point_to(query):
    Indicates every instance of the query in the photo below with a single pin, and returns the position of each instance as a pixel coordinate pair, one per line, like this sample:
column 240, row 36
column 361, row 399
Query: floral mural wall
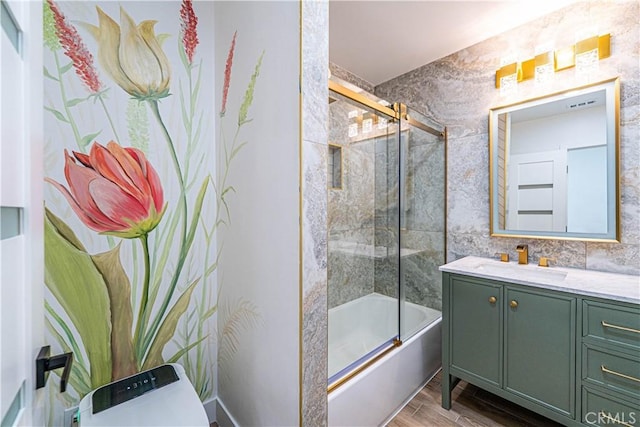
column 133, row 199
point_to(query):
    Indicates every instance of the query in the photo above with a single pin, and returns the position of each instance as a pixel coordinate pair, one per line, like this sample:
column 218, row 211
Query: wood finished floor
column 470, row 407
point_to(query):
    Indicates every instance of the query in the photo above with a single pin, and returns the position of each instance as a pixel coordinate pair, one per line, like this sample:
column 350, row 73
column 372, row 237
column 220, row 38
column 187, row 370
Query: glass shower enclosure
column 386, row 226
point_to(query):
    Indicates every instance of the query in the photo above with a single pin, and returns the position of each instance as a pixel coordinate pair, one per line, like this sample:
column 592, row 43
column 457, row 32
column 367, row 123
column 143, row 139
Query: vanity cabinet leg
column 448, row 384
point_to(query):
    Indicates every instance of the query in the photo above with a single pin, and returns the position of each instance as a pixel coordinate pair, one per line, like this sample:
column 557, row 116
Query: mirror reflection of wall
column 555, row 165
column 538, row 172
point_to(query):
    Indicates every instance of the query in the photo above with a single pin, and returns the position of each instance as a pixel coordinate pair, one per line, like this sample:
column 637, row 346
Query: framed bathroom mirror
column 553, row 165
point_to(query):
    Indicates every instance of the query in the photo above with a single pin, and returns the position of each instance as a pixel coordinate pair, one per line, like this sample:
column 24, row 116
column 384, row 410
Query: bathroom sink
column 524, row 272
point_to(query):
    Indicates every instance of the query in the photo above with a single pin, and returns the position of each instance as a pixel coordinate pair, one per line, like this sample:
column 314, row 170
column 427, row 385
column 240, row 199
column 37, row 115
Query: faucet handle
column 544, row 261
column 504, row 257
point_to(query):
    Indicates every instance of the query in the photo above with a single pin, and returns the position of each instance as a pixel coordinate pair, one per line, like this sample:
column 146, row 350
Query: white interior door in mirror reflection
column 554, row 160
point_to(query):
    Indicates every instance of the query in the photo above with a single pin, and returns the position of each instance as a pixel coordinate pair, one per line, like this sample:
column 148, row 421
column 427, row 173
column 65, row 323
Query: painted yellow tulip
column 132, row 56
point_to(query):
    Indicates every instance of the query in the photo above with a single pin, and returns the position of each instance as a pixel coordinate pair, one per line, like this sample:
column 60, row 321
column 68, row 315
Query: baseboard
column 224, row 417
column 210, row 407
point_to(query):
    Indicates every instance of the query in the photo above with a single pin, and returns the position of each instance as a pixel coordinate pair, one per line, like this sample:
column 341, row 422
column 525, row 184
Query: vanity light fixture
column 585, row 52
column 543, row 64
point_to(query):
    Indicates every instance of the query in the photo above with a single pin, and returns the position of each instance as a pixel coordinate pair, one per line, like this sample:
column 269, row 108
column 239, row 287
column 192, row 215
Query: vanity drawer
column 615, row 324
column 615, row 371
column 600, row 409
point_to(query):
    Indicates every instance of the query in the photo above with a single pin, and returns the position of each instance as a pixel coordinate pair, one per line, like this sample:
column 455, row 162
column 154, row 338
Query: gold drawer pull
column 609, row 371
column 492, row 300
column 622, row 328
column 609, row 418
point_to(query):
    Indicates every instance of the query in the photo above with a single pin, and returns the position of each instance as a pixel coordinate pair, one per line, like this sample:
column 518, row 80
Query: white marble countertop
column 618, row 287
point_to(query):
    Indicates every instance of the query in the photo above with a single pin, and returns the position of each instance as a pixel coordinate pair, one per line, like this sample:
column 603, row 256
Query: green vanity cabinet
column 562, row 342
column 513, row 341
column 475, row 323
column 540, row 348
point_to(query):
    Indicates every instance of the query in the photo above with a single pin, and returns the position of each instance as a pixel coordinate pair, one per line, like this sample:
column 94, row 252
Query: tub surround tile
column 349, row 277
column 315, row 56
column 618, row 287
column 314, row 206
column 315, row 367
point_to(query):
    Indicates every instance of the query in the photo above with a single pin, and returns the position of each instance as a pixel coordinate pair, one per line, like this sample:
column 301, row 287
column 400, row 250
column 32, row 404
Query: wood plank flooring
column 470, row 407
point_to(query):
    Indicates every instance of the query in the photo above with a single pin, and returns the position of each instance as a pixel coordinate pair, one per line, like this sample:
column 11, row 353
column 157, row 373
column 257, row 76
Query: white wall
column 258, row 321
column 581, row 128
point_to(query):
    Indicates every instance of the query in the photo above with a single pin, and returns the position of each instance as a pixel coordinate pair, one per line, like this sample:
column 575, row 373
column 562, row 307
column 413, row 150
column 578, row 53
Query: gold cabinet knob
column 493, row 300
column 513, row 303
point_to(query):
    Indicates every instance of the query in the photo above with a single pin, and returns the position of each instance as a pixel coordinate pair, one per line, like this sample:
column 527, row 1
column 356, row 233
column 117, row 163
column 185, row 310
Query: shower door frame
column 398, row 112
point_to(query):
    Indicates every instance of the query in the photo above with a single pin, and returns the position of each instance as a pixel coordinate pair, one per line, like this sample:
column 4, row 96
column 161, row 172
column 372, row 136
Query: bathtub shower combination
column 386, row 240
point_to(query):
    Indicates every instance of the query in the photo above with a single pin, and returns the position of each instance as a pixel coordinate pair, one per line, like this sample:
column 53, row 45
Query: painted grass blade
column 168, row 328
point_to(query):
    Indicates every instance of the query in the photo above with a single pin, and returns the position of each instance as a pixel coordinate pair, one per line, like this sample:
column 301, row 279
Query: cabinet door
column 476, row 330
column 540, row 348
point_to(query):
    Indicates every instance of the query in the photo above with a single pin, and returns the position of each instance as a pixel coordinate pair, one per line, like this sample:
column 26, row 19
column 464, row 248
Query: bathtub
column 377, row 393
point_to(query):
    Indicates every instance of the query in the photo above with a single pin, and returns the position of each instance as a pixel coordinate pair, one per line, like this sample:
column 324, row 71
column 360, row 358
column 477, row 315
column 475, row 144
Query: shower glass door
column 363, row 244
column 422, row 221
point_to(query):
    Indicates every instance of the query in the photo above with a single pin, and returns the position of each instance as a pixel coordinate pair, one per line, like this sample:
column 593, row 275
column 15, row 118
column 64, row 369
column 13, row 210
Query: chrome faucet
column 523, row 254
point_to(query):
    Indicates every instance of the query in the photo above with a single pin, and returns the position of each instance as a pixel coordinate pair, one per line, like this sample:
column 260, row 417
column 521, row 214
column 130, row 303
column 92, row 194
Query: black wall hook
column 44, row 364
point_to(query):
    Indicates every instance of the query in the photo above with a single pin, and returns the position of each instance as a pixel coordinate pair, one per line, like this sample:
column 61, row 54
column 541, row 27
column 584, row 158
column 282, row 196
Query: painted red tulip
column 114, row 190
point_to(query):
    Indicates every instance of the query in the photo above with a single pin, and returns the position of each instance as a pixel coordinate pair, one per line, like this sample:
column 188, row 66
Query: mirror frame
column 612, row 96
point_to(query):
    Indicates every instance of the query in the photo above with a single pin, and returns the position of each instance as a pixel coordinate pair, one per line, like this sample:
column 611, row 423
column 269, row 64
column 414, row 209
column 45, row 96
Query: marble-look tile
column 468, row 184
column 615, row 258
column 425, row 188
column 351, row 207
column 314, row 87
column 314, row 206
column 350, row 276
column 458, row 91
column 567, row 253
column 349, row 77
column 315, row 348
column 630, row 174
column 315, row 57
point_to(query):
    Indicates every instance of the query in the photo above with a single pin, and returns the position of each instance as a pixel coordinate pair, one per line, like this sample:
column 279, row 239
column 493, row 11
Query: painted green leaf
column 119, row 289
column 79, row 288
column 168, row 328
column 66, row 68
column 57, row 113
column 48, row 74
column 65, row 231
column 75, row 101
column 87, row 139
